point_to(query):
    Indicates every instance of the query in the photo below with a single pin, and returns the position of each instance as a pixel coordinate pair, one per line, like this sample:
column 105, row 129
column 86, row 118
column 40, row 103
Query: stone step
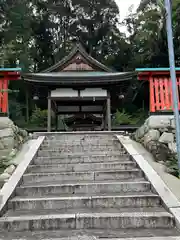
column 81, row 159
column 82, row 148
column 81, row 143
column 104, row 220
column 109, row 201
column 81, row 137
column 81, row 237
column 50, row 153
column 76, row 211
column 83, row 187
column 104, row 140
column 81, row 167
column 78, row 176
column 93, row 234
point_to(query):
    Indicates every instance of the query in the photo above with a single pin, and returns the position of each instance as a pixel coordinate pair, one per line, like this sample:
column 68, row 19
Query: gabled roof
column 78, row 49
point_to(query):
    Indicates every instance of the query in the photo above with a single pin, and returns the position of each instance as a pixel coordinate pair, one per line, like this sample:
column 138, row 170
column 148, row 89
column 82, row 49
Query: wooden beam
column 49, row 115
column 109, row 112
column 71, row 99
column 27, row 105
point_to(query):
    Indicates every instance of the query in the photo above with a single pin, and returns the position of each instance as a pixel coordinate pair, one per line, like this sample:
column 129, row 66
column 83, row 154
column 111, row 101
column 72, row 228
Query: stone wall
column 11, row 140
column 157, row 134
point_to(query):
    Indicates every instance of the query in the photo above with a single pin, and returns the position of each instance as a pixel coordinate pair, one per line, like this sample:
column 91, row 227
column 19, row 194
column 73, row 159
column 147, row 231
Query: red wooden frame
column 160, row 90
column 5, row 77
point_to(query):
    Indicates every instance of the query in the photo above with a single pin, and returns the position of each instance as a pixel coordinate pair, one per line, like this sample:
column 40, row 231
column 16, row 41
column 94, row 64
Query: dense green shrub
column 39, row 118
column 172, row 165
column 123, row 117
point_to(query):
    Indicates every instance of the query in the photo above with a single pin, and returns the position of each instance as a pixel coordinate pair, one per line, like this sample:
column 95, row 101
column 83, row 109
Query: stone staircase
column 85, row 186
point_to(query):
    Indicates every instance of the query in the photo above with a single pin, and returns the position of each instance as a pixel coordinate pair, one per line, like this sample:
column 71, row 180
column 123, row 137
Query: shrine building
column 87, row 93
column 82, row 88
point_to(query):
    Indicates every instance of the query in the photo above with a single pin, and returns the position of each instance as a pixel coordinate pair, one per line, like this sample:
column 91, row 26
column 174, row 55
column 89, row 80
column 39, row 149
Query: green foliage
column 172, row 165
column 16, row 111
column 36, row 34
column 39, row 118
column 123, row 117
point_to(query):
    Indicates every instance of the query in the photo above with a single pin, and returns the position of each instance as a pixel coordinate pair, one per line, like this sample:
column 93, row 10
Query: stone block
column 141, row 132
column 152, row 135
column 166, row 138
column 4, row 176
column 7, row 132
column 5, row 122
column 159, row 121
column 1, row 145
column 172, row 147
column 13, row 153
column 10, row 169
column 8, row 142
column 4, row 153
column 162, row 130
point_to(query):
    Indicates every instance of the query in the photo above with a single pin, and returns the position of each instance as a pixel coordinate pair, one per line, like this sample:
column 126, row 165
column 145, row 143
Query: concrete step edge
column 82, row 237
column 75, row 164
column 85, row 184
column 21, row 199
column 87, row 237
column 84, row 172
column 139, row 238
column 85, row 156
column 96, row 152
column 87, row 215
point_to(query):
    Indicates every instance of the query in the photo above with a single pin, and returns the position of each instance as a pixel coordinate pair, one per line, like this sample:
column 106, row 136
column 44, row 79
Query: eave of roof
column 155, row 69
column 147, row 73
column 10, row 69
column 78, row 49
column 63, row 78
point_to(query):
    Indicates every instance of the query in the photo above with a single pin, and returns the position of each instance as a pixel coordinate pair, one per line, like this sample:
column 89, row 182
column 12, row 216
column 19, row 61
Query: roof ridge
column 78, row 48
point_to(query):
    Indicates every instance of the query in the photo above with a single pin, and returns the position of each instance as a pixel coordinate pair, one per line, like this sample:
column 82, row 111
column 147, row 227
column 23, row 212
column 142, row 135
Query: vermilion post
column 6, row 75
column 162, row 94
column 152, row 98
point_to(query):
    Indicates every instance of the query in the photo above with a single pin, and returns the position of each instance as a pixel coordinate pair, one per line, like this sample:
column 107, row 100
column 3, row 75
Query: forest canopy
column 34, row 34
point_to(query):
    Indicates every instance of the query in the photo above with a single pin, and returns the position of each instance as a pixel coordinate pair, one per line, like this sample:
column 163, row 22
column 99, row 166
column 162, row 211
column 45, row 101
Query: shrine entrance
column 86, row 104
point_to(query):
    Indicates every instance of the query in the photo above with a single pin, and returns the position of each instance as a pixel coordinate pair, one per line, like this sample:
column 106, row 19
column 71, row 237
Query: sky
column 124, row 6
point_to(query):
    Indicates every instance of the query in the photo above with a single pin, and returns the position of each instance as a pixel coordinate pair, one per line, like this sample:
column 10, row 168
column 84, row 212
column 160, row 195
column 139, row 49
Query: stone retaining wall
column 11, row 140
column 157, row 134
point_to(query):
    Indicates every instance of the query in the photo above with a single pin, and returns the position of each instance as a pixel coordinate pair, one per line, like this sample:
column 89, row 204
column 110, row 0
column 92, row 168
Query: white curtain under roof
column 64, row 92
column 88, row 92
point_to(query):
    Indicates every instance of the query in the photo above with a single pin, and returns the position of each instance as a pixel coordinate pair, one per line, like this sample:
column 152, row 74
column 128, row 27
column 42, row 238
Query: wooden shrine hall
column 86, row 93
column 81, row 89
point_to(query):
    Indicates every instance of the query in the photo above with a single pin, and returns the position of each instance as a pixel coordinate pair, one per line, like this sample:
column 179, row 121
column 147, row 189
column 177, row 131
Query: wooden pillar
column 104, row 121
column 49, row 115
column 56, row 120
column 27, row 105
column 108, row 112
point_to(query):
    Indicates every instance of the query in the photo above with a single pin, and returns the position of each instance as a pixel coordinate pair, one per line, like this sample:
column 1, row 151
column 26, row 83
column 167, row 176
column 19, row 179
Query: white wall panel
column 64, row 92
column 93, row 92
